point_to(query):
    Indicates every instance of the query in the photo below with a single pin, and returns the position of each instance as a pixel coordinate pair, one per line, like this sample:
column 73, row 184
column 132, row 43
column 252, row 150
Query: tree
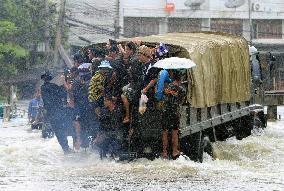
column 11, row 53
column 22, row 26
column 29, row 17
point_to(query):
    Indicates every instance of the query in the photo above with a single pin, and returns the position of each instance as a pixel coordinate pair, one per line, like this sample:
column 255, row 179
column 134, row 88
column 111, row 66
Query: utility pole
column 46, row 34
column 59, row 30
column 116, row 20
column 250, row 21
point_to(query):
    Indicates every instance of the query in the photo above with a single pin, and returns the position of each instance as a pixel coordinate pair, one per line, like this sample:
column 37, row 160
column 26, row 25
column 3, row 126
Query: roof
column 222, row 66
column 199, row 40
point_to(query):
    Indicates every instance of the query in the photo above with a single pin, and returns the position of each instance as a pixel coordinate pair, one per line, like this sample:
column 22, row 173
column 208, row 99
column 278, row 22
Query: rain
column 141, row 95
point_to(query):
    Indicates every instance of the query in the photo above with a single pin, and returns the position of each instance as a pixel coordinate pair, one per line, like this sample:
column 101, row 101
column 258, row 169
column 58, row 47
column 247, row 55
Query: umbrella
column 175, row 63
column 252, row 50
column 85, row 66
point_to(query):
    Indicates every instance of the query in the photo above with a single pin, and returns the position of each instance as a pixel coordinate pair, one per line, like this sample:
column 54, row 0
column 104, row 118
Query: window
column 267, row 29
column 138, row 26
column 233, row 26
column 184, row 25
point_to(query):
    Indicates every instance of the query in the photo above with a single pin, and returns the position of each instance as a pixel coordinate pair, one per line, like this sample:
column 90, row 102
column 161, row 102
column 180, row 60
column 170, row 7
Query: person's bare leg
column 176, row 152
column 126, row 106
column 77, row 142
column 165, row 143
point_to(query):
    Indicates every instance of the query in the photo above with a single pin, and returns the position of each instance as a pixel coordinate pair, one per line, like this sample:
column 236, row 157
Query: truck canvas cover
column 222, row 74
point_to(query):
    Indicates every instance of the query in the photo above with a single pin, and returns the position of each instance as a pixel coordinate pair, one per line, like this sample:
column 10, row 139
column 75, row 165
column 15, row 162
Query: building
column 94, row 21
column 259, row 21
column 262, row 20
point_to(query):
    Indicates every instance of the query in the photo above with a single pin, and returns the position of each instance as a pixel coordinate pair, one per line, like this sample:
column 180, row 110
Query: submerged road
column 30, row 163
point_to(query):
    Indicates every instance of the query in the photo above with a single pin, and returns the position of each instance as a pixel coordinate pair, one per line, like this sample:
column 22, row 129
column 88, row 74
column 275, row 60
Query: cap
column 105, row 64
column 46, row 76
column 77, row 57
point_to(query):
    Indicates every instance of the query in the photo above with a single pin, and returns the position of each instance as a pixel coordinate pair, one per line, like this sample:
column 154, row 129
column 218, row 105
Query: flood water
column 28, row 162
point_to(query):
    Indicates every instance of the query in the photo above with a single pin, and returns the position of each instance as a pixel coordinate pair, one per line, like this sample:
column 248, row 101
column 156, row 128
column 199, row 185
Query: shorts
column 170, row 120
column 128, row 92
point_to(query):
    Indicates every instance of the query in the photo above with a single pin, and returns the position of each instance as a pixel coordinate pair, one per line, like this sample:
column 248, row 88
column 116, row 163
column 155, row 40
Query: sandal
column 126, row 120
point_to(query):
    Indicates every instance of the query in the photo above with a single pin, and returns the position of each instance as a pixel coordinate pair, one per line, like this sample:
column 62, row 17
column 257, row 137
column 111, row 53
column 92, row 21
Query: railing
column 274, row 84
column 11, row 112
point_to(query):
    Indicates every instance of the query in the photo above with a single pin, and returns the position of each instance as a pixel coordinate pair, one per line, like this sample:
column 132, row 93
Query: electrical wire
column 101, row 13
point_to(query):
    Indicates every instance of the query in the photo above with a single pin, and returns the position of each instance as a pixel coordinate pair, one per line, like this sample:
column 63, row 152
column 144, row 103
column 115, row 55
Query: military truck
column 223, row 98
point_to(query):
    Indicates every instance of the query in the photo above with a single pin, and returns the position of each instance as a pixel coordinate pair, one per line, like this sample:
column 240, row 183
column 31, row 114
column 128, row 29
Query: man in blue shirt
column 33, row 110
column 171, row 96
column 163, row 78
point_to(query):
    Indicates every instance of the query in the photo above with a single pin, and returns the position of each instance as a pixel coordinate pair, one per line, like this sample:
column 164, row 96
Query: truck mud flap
column 150, row 125
column 129, row 156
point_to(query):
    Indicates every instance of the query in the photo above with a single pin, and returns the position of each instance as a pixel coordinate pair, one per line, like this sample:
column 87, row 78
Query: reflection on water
column 28, row 162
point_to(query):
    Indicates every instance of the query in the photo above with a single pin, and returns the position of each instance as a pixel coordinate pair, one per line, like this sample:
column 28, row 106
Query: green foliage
column 22, row 29
column 24, row 23
column 7, row 30
column 13, row 49
column 10, row 52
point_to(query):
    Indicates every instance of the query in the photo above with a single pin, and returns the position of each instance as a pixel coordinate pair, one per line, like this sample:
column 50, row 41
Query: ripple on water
column 28, row 162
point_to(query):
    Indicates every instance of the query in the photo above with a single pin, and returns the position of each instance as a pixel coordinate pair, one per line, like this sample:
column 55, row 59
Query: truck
column 224, row 97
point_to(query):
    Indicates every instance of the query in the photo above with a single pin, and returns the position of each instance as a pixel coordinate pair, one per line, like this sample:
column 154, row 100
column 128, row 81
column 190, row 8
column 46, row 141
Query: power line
column 103, row 30
column 110, row 30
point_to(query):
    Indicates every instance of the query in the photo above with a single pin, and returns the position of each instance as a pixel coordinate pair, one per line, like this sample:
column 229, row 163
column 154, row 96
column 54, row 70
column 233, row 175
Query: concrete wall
column 267, row 9
column 283, row 28
column 103, row 13
column 209, row 9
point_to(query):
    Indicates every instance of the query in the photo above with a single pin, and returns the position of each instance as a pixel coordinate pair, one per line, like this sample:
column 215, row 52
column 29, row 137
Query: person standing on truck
column 170, row 114
column 91, row 54
column 117, row 80
column 111, row 131
column 97, row 93
column 130, row 62
column 162, row 52
column 149, row 74
column 84, row 116
column 78, row 59
column 163, row 80
column 73, row 78
column 96, row 86
column 132, row 91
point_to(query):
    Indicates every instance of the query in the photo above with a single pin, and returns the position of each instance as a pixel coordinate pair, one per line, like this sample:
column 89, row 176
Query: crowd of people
column 103, row 91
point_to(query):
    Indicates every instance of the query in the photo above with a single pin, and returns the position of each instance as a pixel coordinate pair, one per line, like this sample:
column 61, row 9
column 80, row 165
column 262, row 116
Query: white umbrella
column 85, row 66
column 175, row 63
column 252, row 50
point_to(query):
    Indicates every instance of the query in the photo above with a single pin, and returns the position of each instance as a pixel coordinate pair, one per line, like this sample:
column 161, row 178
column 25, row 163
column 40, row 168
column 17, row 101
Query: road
column 30, row 163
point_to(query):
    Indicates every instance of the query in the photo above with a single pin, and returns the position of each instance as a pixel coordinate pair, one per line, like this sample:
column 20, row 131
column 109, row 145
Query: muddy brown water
column 28, row 162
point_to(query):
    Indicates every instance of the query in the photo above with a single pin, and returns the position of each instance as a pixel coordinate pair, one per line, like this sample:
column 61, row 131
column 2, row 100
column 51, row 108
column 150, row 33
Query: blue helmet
column 162, row 50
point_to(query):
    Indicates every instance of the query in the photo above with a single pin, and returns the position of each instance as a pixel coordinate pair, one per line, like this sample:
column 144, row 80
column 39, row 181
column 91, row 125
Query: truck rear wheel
column 258, row 126
column 194, row 146
column 243, row 127
column 205, row 147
